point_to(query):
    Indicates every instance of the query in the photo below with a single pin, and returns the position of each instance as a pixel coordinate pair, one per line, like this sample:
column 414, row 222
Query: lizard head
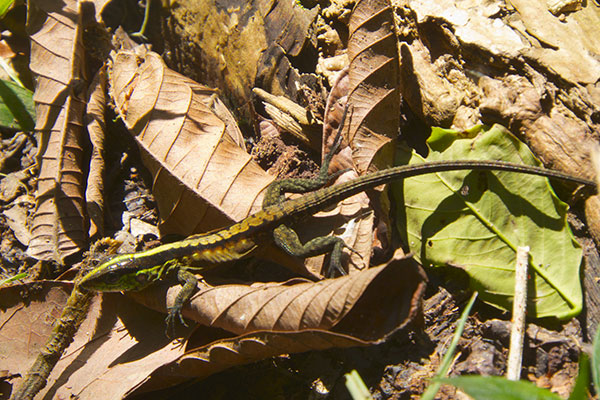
column 121, row 273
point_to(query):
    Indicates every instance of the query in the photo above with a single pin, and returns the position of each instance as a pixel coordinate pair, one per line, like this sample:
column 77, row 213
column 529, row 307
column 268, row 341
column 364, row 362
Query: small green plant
column 5, row 5
column 356, row 386
column 494, row 387
column 500, row 388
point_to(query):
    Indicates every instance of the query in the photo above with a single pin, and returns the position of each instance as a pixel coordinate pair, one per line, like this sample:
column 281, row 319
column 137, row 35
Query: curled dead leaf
column 226, row 353
column 373, row 82
column 96, row 126
column 370, row 88
column 203, row 178
column 56, row 58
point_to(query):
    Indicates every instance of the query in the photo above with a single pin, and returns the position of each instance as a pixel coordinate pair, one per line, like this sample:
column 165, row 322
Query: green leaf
column 498, row 388
column 16, row 106
column 596, row 360
column 5, row 5
column 475, row 220
column 580, row 391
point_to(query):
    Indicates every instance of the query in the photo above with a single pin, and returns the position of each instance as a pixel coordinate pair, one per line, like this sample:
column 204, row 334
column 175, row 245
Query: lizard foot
column 173, row 315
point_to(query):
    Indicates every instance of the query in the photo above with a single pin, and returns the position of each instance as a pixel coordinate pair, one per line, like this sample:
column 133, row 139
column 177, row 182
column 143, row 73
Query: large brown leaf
column 370, row 87
column 121, row 346
column 203, row 177
column 103, row 351
column 373, row 82
column 228, row 352
column 56, row 59
column 343, row 304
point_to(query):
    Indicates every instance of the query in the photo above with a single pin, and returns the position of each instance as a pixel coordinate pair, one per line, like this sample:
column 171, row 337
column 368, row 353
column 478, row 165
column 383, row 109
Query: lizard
column 197, row 253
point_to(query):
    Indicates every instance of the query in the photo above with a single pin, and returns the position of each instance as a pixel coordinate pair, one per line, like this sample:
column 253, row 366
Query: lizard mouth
column 117, row 275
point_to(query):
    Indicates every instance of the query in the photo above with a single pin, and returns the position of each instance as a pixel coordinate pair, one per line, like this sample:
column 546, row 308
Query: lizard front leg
column 276, row 190
column 189, row 282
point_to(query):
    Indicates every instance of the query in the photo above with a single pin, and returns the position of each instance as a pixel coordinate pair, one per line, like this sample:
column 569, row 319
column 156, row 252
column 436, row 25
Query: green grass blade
column 499, row 388
column 447, row 360
column 580, row 391
column 5, row 5
column 356, row 386
column 16, row 106
column 596, row 361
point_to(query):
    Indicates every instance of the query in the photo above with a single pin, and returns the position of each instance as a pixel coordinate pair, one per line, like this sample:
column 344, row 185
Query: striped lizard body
column 200, row 252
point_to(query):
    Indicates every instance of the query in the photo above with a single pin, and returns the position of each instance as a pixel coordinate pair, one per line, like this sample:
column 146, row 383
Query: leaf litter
column 364, row 162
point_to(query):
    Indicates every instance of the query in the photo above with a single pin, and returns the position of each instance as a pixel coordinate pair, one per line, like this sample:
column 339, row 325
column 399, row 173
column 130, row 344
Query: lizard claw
column 335, row 261
column 174, row 313
column 333, row 268
column 353, row 251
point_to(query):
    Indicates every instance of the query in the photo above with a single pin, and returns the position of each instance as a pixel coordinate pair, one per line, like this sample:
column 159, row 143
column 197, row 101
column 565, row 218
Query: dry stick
column 515, row 352
column 63, row 332
column 595, row 156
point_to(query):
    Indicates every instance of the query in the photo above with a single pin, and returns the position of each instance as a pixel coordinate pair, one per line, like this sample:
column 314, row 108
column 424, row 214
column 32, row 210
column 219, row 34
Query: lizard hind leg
column 287, row 239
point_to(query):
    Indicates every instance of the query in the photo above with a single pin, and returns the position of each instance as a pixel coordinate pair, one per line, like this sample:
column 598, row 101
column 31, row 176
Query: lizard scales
column 200, row 252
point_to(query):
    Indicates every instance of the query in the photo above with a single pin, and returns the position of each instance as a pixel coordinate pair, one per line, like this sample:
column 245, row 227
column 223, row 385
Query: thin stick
column 595, row 155
column 515, row 352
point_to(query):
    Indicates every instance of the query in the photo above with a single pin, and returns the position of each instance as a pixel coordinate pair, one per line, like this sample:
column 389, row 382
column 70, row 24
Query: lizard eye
column 111, row 277
column 141, row 278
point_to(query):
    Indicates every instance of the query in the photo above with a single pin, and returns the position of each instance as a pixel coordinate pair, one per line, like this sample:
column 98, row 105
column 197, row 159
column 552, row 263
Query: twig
column 63, row 333
column 515, row 351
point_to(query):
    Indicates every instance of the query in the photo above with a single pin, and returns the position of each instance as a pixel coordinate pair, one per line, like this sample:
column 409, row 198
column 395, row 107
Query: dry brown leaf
column 121, row 347
column 16, row 218
column 357, row 232
column 345, row 304
column 96, row 127
column 24, row 328
column 105, row 359
column 373, row 83
column 289, row 30
column 370, row 87
column 27, row 316
column 56, row 59
column 242, row 46
column 222, row 354
column 203, row 179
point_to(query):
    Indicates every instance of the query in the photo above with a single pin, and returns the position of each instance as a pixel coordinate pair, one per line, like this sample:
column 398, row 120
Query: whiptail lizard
column 200, row 252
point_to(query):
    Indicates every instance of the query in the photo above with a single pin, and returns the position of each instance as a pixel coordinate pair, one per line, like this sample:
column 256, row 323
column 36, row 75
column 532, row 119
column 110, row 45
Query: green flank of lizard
column 271, row 224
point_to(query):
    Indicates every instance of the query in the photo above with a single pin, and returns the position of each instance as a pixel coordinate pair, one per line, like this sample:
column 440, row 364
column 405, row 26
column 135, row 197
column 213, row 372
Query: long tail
column 317, row 200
